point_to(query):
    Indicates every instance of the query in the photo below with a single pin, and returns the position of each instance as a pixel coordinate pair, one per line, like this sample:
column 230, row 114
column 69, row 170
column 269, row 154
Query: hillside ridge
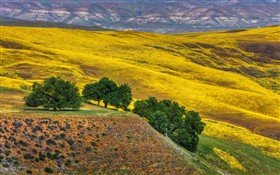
column 92, row 139
column 158, row 16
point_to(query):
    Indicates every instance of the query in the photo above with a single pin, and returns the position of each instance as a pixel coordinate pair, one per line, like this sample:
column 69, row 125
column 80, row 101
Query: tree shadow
column 50, row 110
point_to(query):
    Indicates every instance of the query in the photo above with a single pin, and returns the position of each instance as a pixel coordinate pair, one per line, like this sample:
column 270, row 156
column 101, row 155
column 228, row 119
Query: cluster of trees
column 109, row 92
column 58, row 94
column 172, row 120
column 166, row 116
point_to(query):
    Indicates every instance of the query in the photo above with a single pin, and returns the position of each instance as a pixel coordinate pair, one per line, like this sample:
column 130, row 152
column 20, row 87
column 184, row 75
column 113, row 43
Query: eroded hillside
column 111, row 145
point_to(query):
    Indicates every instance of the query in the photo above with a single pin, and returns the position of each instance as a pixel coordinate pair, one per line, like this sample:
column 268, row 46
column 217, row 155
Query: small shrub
column 67, row 126
column 51, row 127
column 1, row 158
column 93, row 144
column 22, row 143
column 68, row 162
column 5, row 165
column 37, row 128
column 17, row 124
column 62, row 129
column 41, row 138
column 34, row 151
column 50, row 156
column 42, row 156
column 88, row 149
column 16, row 162
column 129, row 137
column 61, row 157
column 50, row 142
column 48, row 170
column 62, row 145
column 47, row 149
column 37, row 145
column 7, row 152
column 28, row 156
column 56, row 155
column 28, row 171
column 62, row 136
column 7, row 145
column 13, row 139
column 70, row 142
column 8, row 160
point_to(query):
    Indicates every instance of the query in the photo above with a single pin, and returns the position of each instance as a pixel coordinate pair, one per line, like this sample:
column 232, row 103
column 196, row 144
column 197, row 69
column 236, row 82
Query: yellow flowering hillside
column 230, row 77
column 203, row 71
column 231, row 161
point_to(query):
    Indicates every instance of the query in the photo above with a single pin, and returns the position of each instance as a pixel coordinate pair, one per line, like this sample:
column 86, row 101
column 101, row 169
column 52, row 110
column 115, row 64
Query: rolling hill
column 68, row 144
column 6, row 21
column 230, row 77
column 95, row 140
column 218, row 74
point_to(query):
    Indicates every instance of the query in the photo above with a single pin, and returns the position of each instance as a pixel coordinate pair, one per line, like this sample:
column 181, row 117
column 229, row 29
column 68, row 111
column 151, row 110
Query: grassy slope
column 154, row 65
column 121, row 135
column 189, row 68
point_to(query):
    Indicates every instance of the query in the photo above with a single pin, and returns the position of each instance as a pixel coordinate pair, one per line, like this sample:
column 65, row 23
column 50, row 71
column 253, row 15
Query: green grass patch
column 92, row 112
column 252, row 159
column 5, row 89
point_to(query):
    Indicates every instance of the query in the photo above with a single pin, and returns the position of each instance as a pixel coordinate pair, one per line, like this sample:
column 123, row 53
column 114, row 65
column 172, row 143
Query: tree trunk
column 192, row 155
column 106, row 104
column 98, row 103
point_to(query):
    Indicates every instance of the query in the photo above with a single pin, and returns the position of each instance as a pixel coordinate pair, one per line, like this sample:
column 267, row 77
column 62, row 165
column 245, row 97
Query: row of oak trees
column 166, row 116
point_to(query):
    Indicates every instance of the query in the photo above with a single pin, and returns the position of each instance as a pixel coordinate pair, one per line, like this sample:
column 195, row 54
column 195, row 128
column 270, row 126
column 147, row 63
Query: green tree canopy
column 124, row 96
column 54, row 93
column 92, row 92
column 36, row 98
column 171, row 119
column 109, row 92
column 108, row 88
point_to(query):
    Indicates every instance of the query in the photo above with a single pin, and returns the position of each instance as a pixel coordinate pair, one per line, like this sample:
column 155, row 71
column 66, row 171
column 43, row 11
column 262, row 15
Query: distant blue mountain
column 163, row 16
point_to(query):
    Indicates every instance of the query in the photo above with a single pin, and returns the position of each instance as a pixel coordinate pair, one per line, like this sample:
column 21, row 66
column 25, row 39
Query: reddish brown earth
column 71, row 144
